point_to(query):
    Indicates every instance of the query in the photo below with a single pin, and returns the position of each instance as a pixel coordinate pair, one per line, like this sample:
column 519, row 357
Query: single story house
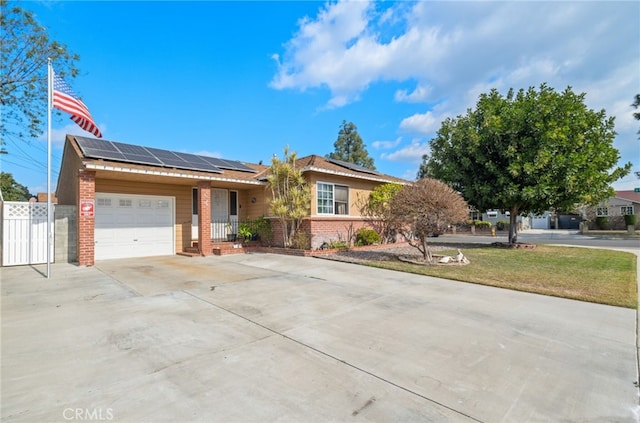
column 135, row 201
column 615, row 208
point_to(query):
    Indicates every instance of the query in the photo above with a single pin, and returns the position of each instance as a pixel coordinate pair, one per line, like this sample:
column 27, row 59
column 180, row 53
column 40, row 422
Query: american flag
column 66, row 100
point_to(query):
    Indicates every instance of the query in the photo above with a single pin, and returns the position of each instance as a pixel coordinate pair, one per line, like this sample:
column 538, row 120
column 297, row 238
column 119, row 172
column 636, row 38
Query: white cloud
column 418, row 95
column 452, row 54
column 58, row 135
column 411, row 153
column 423, row 123
column 386, row 145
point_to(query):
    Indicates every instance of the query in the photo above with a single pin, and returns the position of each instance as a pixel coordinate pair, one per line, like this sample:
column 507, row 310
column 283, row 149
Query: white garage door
column 133, row 226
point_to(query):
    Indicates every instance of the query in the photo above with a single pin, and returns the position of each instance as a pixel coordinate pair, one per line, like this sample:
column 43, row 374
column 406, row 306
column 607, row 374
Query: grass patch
column 598, row 276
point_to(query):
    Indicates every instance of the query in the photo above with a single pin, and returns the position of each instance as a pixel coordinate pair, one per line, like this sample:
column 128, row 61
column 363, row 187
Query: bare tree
column 425, row 208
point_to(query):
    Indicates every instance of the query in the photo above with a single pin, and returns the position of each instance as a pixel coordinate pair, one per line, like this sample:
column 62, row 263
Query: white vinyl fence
column 24, row 233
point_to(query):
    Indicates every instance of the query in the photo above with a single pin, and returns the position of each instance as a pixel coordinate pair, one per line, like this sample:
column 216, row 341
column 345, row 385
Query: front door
column 233, row 210
column 194, row 214
column 220, row 223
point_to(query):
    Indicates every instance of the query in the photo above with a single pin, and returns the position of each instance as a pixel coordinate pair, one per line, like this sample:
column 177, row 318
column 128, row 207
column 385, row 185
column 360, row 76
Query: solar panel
column 118, row 151
column 352, row 166
column 136, row 154
column 240, row 166
column 102, row 154
column 182, row 160
column 95, row 144
column 228, row 164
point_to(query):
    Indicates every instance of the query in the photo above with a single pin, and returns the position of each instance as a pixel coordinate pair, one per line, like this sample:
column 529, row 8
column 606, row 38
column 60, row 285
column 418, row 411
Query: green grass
column 599, row 276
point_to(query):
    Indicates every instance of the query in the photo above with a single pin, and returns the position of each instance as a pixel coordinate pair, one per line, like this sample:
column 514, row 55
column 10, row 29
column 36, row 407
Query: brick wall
column 322, row 229
column 332, row 229
column 204, row 218
column 86, row 224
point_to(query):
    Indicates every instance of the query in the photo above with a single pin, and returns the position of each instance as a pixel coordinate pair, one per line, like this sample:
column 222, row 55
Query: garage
column 133, row 226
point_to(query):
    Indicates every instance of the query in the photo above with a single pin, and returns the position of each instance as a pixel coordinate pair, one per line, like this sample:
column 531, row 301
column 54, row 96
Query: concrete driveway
column 263, row 337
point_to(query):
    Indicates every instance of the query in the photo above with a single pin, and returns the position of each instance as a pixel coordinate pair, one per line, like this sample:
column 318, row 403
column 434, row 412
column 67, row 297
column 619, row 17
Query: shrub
column 338, row 244
column 367, row 236
column 301, row 241
column 244, row 231
column 480, row 224
column 501, row 224
column 630, row 219
column 602, row 222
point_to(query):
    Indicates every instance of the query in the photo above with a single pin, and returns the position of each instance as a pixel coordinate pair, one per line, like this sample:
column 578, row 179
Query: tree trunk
column 426, row 252
column 513, row 225
column 292, row 232
column 285, row 234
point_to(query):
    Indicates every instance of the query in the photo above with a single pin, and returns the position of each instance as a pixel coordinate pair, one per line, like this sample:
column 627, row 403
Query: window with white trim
column 602, row 211
column 624, row 210
column 332, row 198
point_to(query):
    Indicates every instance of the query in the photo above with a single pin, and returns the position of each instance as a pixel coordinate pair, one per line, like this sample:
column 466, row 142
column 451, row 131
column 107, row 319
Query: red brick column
column 204, row 218
column 86, row 221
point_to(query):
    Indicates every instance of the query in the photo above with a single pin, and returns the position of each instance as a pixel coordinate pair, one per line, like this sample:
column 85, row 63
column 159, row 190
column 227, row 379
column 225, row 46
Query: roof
column 120, row 157
column 629, row 195
column 314, row 163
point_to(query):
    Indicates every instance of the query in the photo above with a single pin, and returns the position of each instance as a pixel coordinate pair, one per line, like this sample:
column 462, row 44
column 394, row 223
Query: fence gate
column 24, row 233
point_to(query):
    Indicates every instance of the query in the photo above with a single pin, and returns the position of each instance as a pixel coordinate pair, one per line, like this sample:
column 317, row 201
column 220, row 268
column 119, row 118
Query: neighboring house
column 136, row 201
column 494, row 216
column 615, row 208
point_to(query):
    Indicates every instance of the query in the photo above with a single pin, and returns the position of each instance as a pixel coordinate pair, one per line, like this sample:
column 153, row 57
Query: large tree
column 25, row 47
column 528, row 152
column 349, row 147
column 11, row 190
column 424, row 208
column 291, row 195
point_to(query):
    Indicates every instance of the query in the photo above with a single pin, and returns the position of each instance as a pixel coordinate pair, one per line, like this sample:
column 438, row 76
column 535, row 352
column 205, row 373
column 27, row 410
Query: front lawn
column 599, row 276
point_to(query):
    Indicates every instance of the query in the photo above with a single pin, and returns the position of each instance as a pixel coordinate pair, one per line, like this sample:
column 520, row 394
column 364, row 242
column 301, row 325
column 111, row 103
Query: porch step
column 188, row 254
column 226, row 248
column 217, row 248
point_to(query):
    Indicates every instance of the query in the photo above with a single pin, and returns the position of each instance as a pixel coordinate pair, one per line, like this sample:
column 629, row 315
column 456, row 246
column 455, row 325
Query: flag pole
column 49, row 103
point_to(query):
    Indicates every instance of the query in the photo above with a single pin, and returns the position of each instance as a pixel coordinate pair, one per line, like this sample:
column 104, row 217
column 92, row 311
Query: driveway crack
column 333, row 357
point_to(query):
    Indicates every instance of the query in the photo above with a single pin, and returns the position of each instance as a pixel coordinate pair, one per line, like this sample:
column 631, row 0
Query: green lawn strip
column 599, row 276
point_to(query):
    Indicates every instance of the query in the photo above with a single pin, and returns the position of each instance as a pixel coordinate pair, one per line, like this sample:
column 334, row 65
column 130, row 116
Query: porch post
column 86, row 219
column 204, row 218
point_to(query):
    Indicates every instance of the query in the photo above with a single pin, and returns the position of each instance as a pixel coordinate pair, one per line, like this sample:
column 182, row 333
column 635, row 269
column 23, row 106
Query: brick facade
column 323, row 229
column 86, row 222
column 204, row 218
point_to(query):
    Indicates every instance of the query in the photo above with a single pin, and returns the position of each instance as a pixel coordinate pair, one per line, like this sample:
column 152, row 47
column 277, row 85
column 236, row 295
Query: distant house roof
column 629, row 195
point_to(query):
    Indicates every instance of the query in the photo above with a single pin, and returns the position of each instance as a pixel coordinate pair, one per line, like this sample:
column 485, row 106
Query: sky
column 243, row 80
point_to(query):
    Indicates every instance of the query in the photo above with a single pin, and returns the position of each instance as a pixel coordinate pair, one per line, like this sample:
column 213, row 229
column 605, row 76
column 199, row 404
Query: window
column 341, row 199
column 332, row 199
column 233, row 203
column 194, row 201
column 624, row 210
column 144, row 204
column 602, row 211
column 104, row 202
column 125, row 202
column 492, row 214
